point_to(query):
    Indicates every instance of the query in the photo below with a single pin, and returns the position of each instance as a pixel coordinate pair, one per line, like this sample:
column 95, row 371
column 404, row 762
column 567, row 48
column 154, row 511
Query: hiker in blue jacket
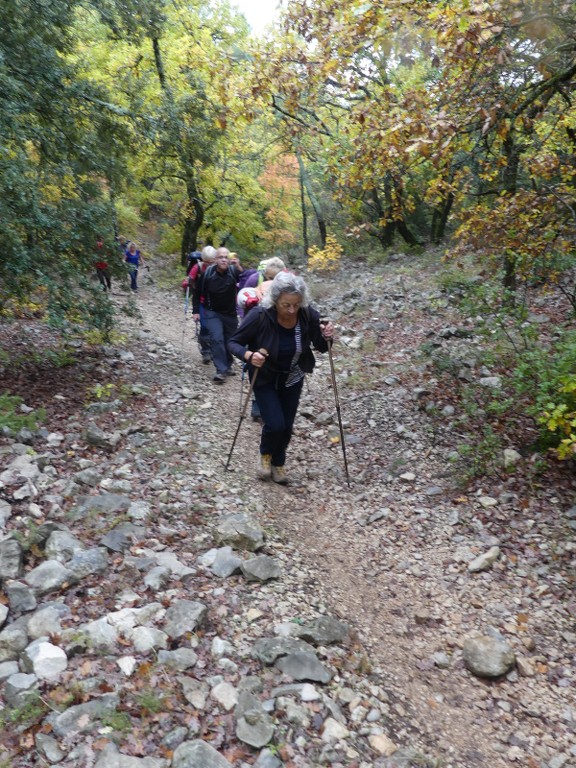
column 285, row 327
column 134, row 259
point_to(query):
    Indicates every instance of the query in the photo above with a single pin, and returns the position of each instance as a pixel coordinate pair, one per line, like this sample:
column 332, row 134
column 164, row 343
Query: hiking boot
column 206, row 359
column 279, row 475
column 264, row 466
column 231, row 372
column 219, row 378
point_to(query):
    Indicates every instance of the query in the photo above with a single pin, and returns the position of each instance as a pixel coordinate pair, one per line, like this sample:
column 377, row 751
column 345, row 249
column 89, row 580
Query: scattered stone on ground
column 158, row 611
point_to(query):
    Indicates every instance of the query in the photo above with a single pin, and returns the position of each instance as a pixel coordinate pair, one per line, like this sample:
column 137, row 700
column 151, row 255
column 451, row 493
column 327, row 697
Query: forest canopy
column 444, row 123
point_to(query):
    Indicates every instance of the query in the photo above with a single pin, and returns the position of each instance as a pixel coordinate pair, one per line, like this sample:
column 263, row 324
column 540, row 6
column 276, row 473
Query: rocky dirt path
column 390, row 554
column 397, row 556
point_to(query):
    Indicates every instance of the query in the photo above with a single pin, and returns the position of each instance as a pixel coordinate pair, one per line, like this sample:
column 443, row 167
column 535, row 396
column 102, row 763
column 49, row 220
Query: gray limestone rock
column 226, row 563
column 7, row 669
column 180, row 659
column 157, row 578
column 111, row 758
column 484, row 561
column 169, row 560
column 62, row 545
column 13, row 640
column 5, row 512
column 325, row 630
column 198, row 754
column 487, row 656
column 184, row 616
column 99, row 506
column 20, row 469
column 255, row 728
column 267, row 759
column 196, row 692
column 49, row 576
column 120, row 538
column 11, row 559
column 268, row 649
column 225, row 694
column 490, row 382
column 82, row 718
column 20, row 596
column 511, row 457
column 304, row 666
column 100, row 439
column 46, row 620
column 88, row 562
column 261, row 568
column 139, row 510
column 241, row 532
column 88, row 476
column 146, row 639
column 43, row 659
column 116, row 485
column 20, row 687
column 49, row 748
column 99, row 634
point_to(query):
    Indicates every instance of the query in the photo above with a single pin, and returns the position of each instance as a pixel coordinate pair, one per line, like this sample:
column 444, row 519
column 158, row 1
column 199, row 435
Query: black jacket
column 259, row 329
column 216, row 290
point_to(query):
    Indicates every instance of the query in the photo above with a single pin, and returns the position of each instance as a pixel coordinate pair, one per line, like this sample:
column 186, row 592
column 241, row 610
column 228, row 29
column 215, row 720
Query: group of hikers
column 131, row 256
column 264, row 318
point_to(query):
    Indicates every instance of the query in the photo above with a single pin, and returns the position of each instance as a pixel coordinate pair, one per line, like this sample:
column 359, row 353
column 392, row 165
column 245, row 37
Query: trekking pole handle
column 324, row 321
column 261, row 351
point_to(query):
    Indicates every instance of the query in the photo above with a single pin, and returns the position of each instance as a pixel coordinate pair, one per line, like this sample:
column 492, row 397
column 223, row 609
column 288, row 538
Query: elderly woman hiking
column 275, row 339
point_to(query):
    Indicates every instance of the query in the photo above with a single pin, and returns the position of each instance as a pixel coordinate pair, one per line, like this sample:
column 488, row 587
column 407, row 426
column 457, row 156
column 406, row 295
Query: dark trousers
column 278, row 405
column 221, row 328
column 104, row 277
column 203, row 335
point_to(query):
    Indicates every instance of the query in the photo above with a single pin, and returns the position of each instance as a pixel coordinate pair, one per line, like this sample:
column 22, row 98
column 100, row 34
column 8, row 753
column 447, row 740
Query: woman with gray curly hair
column 275, row 339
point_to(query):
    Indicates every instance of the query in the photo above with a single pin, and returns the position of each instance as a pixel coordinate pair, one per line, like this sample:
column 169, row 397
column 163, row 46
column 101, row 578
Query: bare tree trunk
column 512, row 152
column 440, row 219
column 305, row 180
column 194, row 210
column 304, row 215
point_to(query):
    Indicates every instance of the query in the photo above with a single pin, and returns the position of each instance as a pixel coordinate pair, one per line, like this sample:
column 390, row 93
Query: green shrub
column 560, row 419
column 13, row 418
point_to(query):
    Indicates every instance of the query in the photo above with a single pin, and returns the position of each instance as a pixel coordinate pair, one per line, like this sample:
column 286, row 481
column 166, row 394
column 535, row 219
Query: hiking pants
column 203, row 334
column 220, row 328
column 104, row 277
column 278, row 405
column 134, row 279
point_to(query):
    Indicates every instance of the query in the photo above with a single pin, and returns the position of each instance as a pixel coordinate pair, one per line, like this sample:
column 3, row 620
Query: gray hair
column 208, row 253
column 286, row 282
column 272, row 266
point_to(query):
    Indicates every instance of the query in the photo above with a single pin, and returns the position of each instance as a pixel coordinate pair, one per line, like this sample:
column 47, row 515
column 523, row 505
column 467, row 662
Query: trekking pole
column 185, row 315
column 337, row 401
column 244, row 369
column 243, row 412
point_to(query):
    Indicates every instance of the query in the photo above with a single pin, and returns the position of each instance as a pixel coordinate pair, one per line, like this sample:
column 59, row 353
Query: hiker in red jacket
column 102, row 267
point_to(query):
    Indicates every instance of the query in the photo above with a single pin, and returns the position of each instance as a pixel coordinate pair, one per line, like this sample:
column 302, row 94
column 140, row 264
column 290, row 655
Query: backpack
column 193, row 258
column 248, row 298
column 244, row 277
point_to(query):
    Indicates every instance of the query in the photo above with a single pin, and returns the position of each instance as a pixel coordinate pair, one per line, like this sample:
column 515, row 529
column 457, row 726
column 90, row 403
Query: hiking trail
column 388, row 556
